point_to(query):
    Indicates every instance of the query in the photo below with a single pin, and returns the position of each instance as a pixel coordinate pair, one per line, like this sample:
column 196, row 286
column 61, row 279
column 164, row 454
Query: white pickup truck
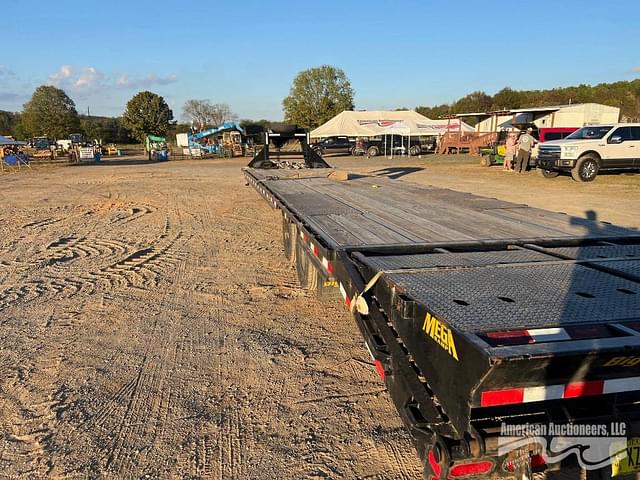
column 591, row 149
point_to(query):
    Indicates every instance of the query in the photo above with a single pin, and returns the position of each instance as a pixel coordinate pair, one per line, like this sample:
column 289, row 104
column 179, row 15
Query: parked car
column 341, row 145
column 397, row 144
column 591, row 149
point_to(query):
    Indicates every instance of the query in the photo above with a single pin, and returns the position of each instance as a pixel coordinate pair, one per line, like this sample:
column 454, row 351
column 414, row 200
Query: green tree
column 506, row 99
column 474, row 102
column 624, row 95
column 108, row 129
column 317, row 95
column 147, row 114
column 50, row 112
column 9, row 122
column 435, row 111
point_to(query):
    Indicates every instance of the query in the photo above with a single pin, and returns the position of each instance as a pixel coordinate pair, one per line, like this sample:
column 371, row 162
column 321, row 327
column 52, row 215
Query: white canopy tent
column 380, row 122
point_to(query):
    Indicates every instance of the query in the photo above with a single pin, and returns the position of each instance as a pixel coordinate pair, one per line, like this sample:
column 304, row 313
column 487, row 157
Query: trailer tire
column 372, row 152
column 307, row 273
column 415, row 150
column 289, row 232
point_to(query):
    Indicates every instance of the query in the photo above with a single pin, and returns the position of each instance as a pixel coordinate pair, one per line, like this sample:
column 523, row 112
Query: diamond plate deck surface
column 604, row 251
column 521, row 296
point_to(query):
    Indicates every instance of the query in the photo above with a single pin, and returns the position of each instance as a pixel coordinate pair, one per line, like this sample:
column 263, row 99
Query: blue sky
column 246, row 54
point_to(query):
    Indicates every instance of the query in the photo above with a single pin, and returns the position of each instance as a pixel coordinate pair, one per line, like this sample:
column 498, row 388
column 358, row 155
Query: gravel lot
column 151, row 327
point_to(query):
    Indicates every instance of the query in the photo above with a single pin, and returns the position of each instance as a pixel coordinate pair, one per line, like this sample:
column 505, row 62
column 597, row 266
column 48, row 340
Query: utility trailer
column 478, row 313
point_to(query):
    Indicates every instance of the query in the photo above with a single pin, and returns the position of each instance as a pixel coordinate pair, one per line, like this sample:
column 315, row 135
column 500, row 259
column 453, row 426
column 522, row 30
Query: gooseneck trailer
column 477, row 313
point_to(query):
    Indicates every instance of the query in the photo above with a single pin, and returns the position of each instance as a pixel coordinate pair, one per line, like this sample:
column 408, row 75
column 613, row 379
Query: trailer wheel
column 485, row 161
column 372, row 151
column 289, row 232
column 307, row 273
column 415, row 150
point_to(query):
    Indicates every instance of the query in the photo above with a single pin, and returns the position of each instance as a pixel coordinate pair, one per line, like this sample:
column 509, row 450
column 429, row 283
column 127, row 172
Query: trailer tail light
column 475, row 468
column 536, row 461
column 436, row 468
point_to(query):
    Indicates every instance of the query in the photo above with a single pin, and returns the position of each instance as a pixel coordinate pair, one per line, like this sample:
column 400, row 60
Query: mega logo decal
column 440, row 333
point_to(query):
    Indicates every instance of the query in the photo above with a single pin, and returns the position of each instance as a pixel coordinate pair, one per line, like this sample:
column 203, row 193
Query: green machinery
column 156, row 147
column 493, row 155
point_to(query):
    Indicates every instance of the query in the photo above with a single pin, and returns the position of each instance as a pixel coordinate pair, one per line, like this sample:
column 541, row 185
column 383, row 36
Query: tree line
column 316, row 95
column 624, row 95
column 52, row 113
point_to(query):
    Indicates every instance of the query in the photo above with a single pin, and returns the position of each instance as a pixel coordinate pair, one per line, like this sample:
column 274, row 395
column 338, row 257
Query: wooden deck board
column 379, row 211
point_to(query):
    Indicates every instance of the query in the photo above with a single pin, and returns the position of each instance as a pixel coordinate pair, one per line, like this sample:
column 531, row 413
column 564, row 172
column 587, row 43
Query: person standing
column 510, row 152
column 525, row 144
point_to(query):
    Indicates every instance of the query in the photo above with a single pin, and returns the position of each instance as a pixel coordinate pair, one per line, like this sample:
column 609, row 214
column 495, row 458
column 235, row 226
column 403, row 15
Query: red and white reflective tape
column 539, row 335
column 343, row 292
column 315, row 250
column 536, row 335
column 327, row 265
column 557, row 392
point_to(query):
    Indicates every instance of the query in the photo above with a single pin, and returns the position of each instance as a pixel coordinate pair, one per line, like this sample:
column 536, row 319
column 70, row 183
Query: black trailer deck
column 478, row 308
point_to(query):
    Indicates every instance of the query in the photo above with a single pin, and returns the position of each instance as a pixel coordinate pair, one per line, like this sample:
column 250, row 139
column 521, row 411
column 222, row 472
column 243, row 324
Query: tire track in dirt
column 149, row 390
column 140, row 269
column 189, row 349
column 147, row 415
column 37, row 411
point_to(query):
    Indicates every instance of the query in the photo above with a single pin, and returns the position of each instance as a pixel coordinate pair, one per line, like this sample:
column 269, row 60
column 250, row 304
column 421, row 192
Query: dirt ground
column 151, row 327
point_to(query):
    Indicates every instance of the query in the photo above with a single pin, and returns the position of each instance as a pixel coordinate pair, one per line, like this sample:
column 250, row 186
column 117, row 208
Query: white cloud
column 86, row 80
column 65, row 72
column 89, row 79
column 6, row 71
column 124, row 81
